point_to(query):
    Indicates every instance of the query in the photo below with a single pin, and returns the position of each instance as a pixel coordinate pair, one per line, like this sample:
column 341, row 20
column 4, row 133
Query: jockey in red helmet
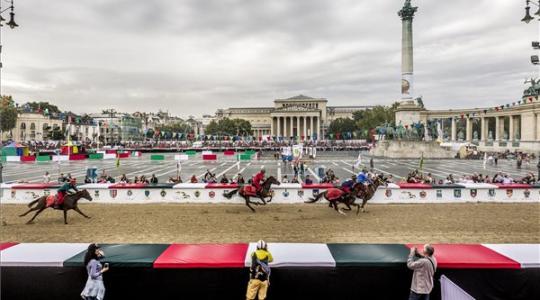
column 258, row 179
column 65, row 189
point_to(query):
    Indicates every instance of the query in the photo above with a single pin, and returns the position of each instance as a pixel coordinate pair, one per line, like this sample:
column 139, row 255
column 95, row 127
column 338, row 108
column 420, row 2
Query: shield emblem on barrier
column 197, row 194
column 113, row 193
column 491, row 192
column 130, row 193
column 474, row 192
column 509, row 193
column 423, row 194
column 13, row 193
column 300, row 193
column 212, row 194
column 163, row 193
column 96, row 193
column 439, row 193
column 147, row 193
column 315, row 192
column 285, row 193
column 526, row 193
column 388, row 193
column 457, row 193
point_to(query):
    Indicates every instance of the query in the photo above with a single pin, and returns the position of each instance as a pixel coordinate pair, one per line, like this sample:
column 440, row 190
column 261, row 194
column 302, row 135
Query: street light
column 11, row 24
column 528, row 16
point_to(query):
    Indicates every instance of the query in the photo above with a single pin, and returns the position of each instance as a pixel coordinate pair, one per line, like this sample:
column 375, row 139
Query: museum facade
column 300, row 117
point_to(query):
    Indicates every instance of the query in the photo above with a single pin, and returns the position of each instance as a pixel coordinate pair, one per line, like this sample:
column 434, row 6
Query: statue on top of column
column 407, row 12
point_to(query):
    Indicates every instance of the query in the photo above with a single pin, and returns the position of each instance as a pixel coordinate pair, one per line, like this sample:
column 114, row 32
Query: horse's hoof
column 88, row 217
column 29, row 223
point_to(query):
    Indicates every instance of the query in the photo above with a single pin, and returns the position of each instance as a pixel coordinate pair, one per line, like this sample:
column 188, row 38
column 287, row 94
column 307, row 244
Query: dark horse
column 367, row 192
column 70, row 202
column 336, row 196
column 247, row 191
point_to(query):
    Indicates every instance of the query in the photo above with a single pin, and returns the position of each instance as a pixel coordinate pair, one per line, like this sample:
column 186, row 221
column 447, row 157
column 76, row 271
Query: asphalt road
column 341, row 162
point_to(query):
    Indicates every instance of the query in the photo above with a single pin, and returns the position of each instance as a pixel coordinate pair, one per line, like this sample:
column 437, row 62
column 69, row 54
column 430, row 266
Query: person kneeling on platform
column 259, row 272
column 66, row 188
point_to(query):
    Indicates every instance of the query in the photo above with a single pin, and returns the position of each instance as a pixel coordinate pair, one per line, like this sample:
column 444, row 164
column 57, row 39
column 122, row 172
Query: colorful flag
column 117, row 162
column 421, row 165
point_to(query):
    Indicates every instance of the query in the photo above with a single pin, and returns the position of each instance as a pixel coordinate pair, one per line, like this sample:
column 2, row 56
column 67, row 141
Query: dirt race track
column 199, row 223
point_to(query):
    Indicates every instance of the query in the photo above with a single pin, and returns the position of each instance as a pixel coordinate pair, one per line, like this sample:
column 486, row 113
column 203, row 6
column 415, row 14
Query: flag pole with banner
column 421, row 165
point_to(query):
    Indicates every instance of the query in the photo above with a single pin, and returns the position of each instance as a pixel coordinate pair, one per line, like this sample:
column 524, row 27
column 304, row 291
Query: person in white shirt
column 285, row 179
column 46, row 178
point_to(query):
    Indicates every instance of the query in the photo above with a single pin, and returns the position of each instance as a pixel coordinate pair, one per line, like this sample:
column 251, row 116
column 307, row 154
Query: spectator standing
column 94, row 288
column 302, row 169
column 153, row 179
column 124, row 179
column 538, row 167
column 308, row 180
column 285, row 179
column 240, row 179
column 259, row 278
column 295, row 180
column 224, row 179
column 424, row 266
column 46, row 178
column 61, row 178
column 193, row 179
column 519, row 161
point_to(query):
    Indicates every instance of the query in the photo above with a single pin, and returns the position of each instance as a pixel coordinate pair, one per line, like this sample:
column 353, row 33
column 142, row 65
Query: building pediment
column 294, row 108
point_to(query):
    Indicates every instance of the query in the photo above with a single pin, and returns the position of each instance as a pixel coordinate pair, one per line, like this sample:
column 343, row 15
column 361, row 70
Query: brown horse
column 70, row 202
column 336, row 196
column 246, row 191
column 367, row 192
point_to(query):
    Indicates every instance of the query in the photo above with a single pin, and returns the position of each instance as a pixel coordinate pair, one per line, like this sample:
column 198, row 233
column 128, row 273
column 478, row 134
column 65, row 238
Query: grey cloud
column 192, row 57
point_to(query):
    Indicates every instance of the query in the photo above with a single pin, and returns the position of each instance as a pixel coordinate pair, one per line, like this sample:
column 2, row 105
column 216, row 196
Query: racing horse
column 367, row 192
column 70, row 202
column 336, row 196
column 247, row 191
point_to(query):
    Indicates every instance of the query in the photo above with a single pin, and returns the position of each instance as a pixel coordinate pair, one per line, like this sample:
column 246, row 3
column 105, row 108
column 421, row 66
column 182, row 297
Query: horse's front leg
column 364, row 203
column 65, row 217
column 80, row 212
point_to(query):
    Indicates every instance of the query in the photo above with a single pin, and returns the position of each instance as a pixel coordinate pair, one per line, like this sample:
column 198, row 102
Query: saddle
column 51, row 199
column 333, row 194
column 250, row 190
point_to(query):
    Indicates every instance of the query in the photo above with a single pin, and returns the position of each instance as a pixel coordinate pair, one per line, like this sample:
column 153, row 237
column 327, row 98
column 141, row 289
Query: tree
column 376, row 116
column 228, row 126
column 342, row 127
column 36, row 106
column 8, row 113
column 57, row 134
column 171, row 129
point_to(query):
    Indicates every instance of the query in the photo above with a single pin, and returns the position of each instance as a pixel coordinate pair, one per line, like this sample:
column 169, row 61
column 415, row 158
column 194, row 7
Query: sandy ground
column 198, row 223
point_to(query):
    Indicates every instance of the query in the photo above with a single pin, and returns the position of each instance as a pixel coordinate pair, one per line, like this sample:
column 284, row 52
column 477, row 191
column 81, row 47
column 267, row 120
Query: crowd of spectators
column 500, row 177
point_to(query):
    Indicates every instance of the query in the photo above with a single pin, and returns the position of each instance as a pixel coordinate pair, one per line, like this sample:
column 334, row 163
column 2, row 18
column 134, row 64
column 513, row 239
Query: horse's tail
column 33, row 202
column 230, row 194
column 313, row 200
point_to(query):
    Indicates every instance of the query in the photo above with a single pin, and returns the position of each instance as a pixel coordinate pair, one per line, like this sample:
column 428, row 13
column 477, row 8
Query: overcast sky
column 192, row 57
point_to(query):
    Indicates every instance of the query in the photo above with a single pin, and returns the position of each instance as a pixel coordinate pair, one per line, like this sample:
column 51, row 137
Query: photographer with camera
column 424, row 266
column 94, row 288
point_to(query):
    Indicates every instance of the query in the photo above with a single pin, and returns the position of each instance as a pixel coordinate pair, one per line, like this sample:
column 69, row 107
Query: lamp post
column 528, row 16
column 11, row 25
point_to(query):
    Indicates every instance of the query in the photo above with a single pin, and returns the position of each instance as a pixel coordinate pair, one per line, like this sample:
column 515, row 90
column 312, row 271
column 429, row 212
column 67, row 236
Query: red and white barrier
column 284, row 193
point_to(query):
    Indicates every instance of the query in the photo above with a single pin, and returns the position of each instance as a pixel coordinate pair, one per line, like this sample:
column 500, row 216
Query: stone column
column 278, row 126
column 511, row 128
column 407, row 15
column 304, row 119
column 483, row 129
column 318, row 121
column 497, row 129
column 468, row 128
column 453, row 135
column 312, row 126
column 290, row 126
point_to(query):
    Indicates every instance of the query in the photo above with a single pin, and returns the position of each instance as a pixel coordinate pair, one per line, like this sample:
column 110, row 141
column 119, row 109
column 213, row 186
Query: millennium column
column 408, row 111
column 407, row 79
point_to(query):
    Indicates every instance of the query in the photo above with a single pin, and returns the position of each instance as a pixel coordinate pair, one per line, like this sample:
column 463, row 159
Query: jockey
column 348, row 184
column 258, row 179
column 363, row 177
column 65, row 189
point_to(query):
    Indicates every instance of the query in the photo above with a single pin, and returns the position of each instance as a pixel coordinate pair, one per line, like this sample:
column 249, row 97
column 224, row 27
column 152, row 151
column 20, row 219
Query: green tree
column 228, row 126
column 341, row 127
column 57, row 134
column 35, row 106
column 376, row 116
column 8, row 114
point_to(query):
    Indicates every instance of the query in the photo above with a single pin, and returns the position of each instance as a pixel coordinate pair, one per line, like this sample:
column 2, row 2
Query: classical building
column 33, row 126
column 512, row 126
column 296, row 117
column 115, row 127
